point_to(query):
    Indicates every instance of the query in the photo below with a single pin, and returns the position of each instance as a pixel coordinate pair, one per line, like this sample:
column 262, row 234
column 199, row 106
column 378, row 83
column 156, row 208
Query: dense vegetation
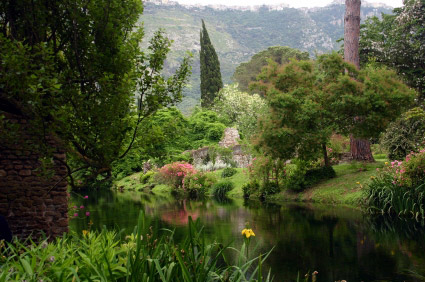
column 141, row 256
column 238, row 35
column 92, row 67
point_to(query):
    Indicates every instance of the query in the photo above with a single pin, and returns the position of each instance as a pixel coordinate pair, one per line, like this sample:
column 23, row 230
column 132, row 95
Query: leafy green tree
column 211, row 81
column 241, row 109
column 398, row 41
column 247, row 72
column 77, row 70
column 310, row 100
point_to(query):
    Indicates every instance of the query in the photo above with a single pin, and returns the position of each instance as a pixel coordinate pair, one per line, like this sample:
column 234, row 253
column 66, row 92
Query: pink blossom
column 87, row 213
column 86, row 197
column 81, row 207
column 75, row 214
column 75, row 207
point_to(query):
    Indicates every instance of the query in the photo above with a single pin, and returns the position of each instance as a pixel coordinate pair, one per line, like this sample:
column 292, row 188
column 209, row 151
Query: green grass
column 343, row 189
column 346, row 188
column 239, row 179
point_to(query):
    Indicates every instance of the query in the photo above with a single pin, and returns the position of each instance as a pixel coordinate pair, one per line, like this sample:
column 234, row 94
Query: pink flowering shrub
column 399, row 188
column 411, row 172
column 173, row 174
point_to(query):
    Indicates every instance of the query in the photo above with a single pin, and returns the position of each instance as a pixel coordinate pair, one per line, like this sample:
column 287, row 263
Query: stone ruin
column 33, row 204
column 230, row 140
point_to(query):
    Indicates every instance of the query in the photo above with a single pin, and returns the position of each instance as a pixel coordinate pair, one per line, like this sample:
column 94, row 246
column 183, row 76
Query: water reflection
column 340, row 243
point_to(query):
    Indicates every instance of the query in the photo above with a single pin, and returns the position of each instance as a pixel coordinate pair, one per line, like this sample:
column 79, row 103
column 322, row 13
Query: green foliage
column 240, row 109
column 197, row 184
column 413, row 169
column 144, row 255
column 250, row 188
column 397, row 40
column 92, row 67
column 268, row 188
column 405, row 135
column 247, row 73
column 221, row 188
column 399, row 188
column 228, row 172
column 147, row 177
column 311, row 100
column 126, row 166
column 205, row 128
column 239, row 34
column 211, row 81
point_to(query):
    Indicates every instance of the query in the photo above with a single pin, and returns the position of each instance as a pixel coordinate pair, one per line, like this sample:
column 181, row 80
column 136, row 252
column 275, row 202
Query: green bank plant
column 228, row 172
column 142, row 256
column 399, row 188
column 221, row 188
column 197, row 184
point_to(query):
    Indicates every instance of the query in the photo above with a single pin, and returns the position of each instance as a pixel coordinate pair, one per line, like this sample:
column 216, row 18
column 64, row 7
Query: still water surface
column 338, row 242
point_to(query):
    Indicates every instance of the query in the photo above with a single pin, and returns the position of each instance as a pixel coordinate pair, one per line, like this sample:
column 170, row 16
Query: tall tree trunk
column 325, row 155
column 359, row 148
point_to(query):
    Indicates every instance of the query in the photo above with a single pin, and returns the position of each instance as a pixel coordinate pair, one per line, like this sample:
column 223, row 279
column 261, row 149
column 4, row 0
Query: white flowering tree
column 240, row 108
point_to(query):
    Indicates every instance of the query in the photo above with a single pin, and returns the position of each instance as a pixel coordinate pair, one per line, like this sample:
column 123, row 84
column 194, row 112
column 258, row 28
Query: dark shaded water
column 340, row 243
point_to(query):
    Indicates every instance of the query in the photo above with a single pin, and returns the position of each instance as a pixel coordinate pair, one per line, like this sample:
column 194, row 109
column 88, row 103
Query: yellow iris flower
column 248, row 233
column 85, row 232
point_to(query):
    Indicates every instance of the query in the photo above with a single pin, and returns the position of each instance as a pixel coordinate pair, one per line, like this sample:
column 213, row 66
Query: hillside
column 238, row 33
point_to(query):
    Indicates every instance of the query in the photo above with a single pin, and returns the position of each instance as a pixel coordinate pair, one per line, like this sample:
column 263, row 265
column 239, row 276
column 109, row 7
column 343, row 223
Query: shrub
column 269, row 188
column 196, row 184
column 315, row 175
column 399, row 188
column 173, row 174
column 228, row 172
column 147, row 177
column 405, row 135
column 250, row 188
column 221, row 188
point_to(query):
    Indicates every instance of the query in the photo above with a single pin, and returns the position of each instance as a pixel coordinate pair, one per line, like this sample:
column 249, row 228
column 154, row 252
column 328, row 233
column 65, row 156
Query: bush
column 197, row 184
column 269, row 188
column 250, row 188
column 173, row 174
column 315, row 175
column 399, row 188
column 228, row 172
column 299, row 176
column 147, row 177
column 221, row 188
column 405, row 135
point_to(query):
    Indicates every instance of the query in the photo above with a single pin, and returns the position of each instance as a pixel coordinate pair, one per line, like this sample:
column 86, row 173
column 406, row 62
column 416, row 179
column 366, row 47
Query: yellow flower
column 386, row 163
column 357, row 182
column 85, row 232
column 372, row 177
column 248, row 233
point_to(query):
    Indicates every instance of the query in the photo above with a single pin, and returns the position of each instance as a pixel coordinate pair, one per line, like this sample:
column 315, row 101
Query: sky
column 291, row 3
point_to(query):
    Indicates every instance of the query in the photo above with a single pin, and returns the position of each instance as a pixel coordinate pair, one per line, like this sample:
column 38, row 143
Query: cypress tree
column 211, row 81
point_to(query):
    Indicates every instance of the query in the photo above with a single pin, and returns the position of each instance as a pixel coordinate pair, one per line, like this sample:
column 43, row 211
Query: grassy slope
column 340, row 190
column 343, row 189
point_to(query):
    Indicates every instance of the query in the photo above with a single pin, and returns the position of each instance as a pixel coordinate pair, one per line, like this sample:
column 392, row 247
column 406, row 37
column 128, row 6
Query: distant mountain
column 237, row 33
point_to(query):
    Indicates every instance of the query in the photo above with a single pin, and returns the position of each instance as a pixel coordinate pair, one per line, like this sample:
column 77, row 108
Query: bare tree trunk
column 359, row 148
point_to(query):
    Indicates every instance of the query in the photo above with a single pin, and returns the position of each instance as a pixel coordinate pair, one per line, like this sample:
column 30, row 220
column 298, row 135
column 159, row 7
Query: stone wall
column 32, row 202
column 229, row 140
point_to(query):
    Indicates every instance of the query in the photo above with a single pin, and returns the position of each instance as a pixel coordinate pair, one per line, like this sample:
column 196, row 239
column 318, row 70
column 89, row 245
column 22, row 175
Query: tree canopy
column 311, row 99
column 398, row 41
column 211, row 81
column 247, row 73
column 76, row 69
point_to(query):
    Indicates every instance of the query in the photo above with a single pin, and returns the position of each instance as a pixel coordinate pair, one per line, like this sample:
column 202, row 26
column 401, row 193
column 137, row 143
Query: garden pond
column 341, row 243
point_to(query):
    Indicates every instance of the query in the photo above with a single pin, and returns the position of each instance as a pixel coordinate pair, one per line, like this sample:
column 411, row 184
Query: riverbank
column 345, row 189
